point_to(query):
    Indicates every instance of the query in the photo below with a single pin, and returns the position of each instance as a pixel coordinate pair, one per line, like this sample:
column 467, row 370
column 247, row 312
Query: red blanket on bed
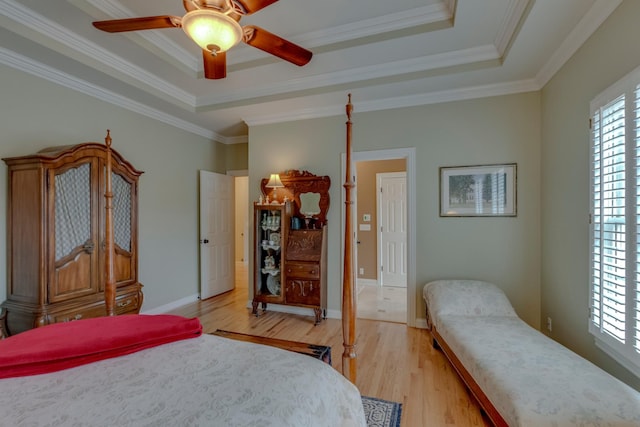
column 65, row 345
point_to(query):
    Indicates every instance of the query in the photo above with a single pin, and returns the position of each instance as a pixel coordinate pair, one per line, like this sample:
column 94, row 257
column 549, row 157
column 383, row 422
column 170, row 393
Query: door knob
column 204, row 241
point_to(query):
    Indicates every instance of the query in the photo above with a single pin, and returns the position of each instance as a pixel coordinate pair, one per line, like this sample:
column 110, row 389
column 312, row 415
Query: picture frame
column 478, row 191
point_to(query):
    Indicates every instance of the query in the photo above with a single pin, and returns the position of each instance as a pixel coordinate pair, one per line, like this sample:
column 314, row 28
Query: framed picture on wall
column 484, row 190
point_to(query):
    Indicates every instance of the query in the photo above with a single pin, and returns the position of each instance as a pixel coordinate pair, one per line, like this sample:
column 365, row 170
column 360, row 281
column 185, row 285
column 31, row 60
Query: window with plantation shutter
column 615, row 221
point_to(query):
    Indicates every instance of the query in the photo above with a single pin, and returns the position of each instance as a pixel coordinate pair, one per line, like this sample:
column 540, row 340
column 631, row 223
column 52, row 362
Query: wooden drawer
column 304, row 292
column 303, row 270
column 97, row 310
column 128, row 303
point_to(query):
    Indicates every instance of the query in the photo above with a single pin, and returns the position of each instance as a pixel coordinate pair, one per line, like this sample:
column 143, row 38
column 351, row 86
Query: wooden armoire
column 56, row 236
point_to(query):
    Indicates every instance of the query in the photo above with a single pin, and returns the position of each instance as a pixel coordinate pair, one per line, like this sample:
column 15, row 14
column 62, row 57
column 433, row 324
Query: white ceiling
column 388, row 54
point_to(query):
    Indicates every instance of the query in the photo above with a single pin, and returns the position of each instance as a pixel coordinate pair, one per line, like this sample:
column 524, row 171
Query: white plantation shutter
column 634, row 291
column 609, row 260
column 615, row 221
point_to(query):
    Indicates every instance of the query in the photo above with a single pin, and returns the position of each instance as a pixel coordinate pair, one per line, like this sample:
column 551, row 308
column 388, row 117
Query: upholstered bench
column 520, row 376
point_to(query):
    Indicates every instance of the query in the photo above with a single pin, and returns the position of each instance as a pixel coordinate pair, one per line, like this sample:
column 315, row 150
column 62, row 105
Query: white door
column 392, row 215
column 217, row 263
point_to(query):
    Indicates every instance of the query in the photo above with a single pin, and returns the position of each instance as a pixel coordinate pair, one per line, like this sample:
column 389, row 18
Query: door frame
column 245, row 174
column 409, row 155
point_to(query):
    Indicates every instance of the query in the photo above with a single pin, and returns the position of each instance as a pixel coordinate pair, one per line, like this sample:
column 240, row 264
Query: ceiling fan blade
column 215, row 66
column 252, row 6
column 275, row 45
column 135, row 24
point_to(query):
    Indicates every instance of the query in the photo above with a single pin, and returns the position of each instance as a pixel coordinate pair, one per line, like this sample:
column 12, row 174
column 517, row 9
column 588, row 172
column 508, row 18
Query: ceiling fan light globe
column 211, row 28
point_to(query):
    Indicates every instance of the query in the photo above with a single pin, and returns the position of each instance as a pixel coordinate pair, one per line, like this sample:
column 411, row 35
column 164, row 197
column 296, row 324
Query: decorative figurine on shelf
column 269, row 262
column 266, row 200
column 260, row 200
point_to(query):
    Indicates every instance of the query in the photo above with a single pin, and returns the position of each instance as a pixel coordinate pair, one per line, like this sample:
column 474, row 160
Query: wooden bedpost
column 110, row 282
column 348, row 284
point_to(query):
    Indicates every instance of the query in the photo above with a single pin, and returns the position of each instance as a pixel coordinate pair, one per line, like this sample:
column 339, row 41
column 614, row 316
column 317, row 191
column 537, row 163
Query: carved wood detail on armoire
column 56, row 236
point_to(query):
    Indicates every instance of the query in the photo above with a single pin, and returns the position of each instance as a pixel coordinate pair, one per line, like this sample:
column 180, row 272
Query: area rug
column 381, row 413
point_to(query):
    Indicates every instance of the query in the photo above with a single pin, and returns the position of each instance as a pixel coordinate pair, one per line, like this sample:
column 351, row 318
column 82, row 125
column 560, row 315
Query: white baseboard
column 421, row 323
column 302, row 311
column 172, row 305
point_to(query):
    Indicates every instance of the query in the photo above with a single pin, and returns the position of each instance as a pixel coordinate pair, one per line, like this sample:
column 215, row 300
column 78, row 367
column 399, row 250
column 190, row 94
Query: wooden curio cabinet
column 270, row 236
column 291, row 269
column 56, row 236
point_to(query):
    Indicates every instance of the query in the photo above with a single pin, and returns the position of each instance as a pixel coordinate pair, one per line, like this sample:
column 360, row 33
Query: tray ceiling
column 387, row 54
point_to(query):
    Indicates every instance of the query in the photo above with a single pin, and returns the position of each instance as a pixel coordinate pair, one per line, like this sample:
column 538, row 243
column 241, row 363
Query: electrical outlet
column 549, row 324
column 361, row 271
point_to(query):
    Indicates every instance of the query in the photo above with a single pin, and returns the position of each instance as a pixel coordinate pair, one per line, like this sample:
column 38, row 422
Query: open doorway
column 241, row 230
column 381, row 239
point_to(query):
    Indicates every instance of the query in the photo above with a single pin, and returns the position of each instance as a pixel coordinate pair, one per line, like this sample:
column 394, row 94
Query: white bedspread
column 205, row 381
column 530, row 379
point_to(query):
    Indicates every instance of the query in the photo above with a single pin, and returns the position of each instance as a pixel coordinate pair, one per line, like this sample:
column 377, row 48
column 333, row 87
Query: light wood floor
column 386, row 303
column 395, row 362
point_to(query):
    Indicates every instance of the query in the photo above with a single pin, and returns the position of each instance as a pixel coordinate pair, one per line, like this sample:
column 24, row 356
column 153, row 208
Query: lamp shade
column 274, row 181
column 211, row 30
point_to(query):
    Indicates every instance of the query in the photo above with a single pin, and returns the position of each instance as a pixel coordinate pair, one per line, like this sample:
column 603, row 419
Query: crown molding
column 585, row 28
column 392, row 103
column 589, row 23
column 116, row 10
column 598, row 13
column 367, row 27
column 441, row 12
column 370, row 27
column 243, row 139
column 38, row 69
column 377, row 71
column 516, row 10
column 37, row 23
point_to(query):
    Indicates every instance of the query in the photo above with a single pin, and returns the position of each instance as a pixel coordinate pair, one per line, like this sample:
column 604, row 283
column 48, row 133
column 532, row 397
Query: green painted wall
column 607, row 56
column 35, row 114
column 506, row 129
column 540, row 258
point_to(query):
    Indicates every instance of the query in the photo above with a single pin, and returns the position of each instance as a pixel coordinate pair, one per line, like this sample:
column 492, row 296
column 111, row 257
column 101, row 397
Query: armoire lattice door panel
column 122, row 208
column 75, row 236
column 73, row 209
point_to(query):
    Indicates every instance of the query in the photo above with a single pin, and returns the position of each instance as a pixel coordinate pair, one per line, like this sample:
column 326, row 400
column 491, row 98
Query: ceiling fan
column 213, row 25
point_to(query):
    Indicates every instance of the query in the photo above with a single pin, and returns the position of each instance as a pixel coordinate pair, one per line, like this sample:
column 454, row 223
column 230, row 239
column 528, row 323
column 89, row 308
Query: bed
column 519, row 376
column 160, row 370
